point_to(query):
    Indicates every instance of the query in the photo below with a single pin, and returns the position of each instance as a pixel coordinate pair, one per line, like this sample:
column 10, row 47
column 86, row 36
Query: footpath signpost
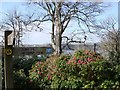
column 8, row 71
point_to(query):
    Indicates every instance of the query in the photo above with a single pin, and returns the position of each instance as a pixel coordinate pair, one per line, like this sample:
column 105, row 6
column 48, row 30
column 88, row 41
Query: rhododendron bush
column 85, row 69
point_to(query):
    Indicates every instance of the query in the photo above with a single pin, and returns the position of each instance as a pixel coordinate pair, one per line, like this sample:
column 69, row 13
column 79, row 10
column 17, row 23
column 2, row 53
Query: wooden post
column 8, row 71
column 95, row 47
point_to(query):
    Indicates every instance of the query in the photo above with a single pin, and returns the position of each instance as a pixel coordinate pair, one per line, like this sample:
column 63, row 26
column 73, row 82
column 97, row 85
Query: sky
column 44, row 36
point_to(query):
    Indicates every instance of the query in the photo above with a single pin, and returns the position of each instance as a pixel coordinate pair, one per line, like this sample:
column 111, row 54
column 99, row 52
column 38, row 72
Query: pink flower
column 86, row 51
column 84, row 63
column 74, row 63
column 74, row 58
column 79, row 61
column 39, row 62
column 39, row 68
column 40, row 73
column 68, row 62
column 44, row 75
column 89, row 59
column 49, row 77
column 60, row 74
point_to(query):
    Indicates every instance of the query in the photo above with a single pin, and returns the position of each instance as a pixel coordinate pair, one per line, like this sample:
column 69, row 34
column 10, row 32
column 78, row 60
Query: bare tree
column 60, row 14
column 111, row 38
column 73, row 39
column 15, row 22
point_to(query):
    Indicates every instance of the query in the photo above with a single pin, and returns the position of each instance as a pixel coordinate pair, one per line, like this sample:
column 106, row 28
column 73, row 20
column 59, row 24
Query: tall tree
column 111, row 38
column 62, row 13
column 15, row 22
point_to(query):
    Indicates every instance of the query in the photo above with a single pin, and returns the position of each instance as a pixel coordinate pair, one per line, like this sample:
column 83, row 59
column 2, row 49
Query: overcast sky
column 44, row 36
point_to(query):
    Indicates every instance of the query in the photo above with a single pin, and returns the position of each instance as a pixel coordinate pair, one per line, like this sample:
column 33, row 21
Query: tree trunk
column 58, row 34
column 58, row 44
column 53, row 34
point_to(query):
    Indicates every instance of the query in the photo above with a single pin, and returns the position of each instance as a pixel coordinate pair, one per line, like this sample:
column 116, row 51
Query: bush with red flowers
column 85, row 69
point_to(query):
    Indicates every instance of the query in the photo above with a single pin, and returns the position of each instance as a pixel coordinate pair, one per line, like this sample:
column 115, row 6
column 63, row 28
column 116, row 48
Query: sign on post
column 8, row 51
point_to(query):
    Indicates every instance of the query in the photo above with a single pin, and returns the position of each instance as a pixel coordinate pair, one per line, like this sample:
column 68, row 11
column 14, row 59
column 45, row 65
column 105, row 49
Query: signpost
column 32, row 51
column 8, row 52
column 8, row 55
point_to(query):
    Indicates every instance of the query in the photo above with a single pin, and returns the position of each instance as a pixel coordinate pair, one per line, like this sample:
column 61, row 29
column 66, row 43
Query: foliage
column 76, row 71
column 94, row 74
column 21, row 67
column 20, row 80
column 22, row 63
column 85, row 69
column 41, row 73
column 114, row 57
column 38, row 74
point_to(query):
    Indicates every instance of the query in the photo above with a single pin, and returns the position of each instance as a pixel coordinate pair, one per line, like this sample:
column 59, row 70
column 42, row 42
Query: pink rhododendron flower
column 39, row 68
column 60, row 74
column 86, row 51
column 89, row 59
column 84, row 63
column 44, row 75
column 39, row 62
column 40, row 73
column 75, row 63
column 79, row 61
column 68, row 62
column 49, row 77
column 74, row 58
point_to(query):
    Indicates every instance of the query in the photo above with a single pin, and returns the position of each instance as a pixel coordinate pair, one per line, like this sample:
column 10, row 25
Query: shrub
column 21, row 67
column 22, row 63
column 85, row 69
column 114, row 57
column 41, row 72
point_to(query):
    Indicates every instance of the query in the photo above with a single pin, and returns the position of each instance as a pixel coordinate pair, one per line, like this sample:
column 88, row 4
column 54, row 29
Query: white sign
column 10, row 38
